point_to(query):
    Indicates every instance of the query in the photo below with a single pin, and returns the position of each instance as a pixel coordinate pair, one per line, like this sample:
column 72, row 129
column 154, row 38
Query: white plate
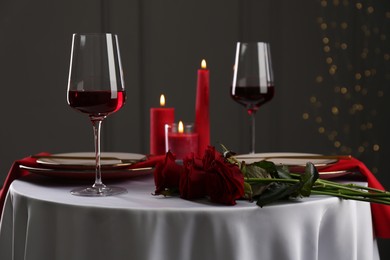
column 89, row 162
column 89, row 174
column 277, row 159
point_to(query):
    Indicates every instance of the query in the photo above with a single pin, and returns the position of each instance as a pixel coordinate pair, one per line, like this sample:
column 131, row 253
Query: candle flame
column 162, row 100
column 180, row 127
column 203, row 64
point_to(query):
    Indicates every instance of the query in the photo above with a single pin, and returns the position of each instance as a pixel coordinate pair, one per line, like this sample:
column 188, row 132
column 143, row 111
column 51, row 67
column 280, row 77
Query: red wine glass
column 253, row 81
column 96, row 88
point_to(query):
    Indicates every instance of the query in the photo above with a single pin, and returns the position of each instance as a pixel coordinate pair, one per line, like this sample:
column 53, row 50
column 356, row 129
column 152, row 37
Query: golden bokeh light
column 352, row 84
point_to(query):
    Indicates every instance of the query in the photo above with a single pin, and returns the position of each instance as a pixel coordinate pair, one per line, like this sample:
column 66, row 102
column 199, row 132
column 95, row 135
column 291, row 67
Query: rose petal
column 192, row 181
column 167, row 174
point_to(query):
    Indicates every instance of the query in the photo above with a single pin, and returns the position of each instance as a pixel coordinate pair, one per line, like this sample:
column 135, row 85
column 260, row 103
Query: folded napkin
column 16, row 172
column 380, row 213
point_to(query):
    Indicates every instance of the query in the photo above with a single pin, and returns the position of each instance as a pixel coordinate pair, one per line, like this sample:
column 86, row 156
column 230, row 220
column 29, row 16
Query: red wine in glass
column 252, row 97
column 253, row 82
column 96, row 87
column 97, row 103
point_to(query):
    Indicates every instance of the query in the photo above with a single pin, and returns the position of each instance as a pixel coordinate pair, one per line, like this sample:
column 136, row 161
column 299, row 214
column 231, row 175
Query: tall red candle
column 159, row 116
column 202, row 118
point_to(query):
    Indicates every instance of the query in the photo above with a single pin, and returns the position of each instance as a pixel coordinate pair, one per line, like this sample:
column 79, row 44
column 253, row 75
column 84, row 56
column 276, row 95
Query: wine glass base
column 98, row 192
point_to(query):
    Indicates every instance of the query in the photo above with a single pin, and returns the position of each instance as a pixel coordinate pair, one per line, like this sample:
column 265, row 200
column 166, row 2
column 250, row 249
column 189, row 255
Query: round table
column 42, row 220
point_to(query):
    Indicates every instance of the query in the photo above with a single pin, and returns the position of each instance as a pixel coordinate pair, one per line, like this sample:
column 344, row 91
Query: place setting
column 252, row 87
column 95, row 88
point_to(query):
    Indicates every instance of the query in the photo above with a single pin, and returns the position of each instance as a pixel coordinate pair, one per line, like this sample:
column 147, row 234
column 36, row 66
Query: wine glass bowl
column 253, row 82
column 96, row 88
column 96, row 103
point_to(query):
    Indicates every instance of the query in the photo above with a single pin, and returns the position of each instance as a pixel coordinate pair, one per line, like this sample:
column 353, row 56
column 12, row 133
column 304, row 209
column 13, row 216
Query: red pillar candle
column 202, row 120
column 158, row 118
column 181, row 140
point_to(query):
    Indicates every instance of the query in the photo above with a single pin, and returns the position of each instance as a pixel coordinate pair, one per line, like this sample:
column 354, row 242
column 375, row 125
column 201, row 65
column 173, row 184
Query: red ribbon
column 380, row 212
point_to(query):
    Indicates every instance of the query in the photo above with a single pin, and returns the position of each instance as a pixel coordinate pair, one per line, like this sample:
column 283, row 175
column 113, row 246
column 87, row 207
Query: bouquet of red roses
column 224, row 179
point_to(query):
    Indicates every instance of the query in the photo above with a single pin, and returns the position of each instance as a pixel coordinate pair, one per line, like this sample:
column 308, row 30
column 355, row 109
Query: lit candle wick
column 181, row 127
column 203, row 64
column 162, row 100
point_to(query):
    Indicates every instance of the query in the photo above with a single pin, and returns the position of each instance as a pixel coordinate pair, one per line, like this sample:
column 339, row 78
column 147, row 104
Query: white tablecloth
column 43, row 221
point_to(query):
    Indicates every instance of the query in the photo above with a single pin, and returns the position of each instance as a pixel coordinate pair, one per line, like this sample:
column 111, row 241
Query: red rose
column 209, row 157
column 212, row 176
column 192, row 181
column 224, row 181
column 167, row 175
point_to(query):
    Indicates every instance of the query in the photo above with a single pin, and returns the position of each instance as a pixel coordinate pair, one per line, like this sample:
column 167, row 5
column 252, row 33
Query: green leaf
column 283, row 172
column 267, row 166
column 255, row 171
column 308, row 179
column 248, row 194
column 277, row 191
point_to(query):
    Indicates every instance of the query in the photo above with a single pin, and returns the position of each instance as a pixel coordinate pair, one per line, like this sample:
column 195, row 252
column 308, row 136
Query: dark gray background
column 162, row 44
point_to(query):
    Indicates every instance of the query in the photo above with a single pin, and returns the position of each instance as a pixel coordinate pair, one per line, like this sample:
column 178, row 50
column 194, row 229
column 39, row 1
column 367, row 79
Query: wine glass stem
column 97, row 124
column 252, row 132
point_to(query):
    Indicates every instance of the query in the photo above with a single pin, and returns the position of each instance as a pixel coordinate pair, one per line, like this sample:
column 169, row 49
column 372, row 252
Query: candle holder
column 181, row 139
